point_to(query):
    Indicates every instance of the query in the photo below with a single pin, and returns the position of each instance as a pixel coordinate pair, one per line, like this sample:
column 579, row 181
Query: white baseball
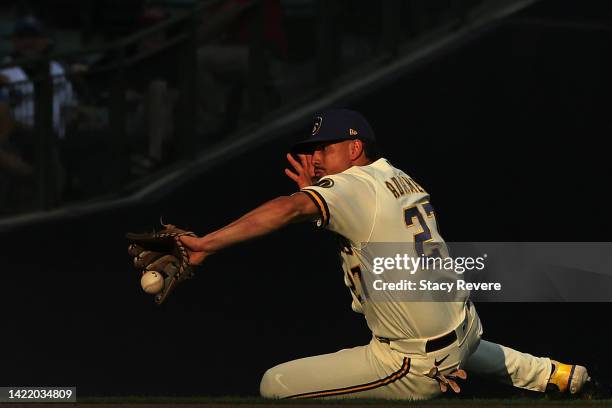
column 152, row 282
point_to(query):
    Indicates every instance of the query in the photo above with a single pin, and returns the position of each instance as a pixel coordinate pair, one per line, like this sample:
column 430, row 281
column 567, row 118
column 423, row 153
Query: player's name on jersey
column 402, row 185
column 427, row 285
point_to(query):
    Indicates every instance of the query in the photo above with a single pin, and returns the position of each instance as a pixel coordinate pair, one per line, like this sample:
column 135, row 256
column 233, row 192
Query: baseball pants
column 378, row 371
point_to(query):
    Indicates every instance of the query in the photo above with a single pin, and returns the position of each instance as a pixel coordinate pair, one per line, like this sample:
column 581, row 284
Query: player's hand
column 196, row 255
column 303, row 173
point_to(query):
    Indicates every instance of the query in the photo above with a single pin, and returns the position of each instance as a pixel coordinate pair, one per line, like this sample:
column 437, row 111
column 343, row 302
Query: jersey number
column 354, row 274
column 413, row 216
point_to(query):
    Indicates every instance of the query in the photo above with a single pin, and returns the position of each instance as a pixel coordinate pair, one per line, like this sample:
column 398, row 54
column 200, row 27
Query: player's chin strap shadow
column 448, row 380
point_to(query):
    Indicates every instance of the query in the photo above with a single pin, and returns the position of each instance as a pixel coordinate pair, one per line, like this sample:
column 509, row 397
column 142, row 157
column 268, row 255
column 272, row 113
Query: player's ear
column 356, row 149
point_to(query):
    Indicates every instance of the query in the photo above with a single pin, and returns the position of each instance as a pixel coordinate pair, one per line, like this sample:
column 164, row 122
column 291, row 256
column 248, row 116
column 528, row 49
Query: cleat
column 567, row 378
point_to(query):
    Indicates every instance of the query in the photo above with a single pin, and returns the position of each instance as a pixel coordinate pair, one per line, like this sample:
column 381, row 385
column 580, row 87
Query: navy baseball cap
column 335, row 125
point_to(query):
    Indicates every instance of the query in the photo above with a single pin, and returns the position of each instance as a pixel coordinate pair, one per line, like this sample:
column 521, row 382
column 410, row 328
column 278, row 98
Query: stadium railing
column 121, row 114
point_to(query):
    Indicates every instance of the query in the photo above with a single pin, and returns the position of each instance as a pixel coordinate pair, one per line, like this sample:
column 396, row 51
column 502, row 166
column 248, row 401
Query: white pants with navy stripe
column 377, row 371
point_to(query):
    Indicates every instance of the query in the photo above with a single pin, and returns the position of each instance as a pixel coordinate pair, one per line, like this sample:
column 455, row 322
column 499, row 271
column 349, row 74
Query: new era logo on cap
column 353, row 132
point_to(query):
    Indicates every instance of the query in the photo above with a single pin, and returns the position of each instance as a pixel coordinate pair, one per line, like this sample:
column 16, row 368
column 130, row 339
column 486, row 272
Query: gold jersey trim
column 321, row 205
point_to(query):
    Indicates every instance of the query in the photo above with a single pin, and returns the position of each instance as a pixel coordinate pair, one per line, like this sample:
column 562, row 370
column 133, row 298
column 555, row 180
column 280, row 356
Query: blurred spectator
column 17, row 113
column 274, row 34
column 15, row 172
column 31, row 40
column 11, row 162
column 156, row 91
column 223, row 66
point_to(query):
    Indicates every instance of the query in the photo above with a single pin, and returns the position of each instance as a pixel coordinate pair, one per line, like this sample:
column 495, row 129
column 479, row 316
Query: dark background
column 508, row 134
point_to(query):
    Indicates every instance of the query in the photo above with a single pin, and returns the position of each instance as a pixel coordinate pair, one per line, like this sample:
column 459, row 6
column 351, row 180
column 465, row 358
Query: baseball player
column 418, row 349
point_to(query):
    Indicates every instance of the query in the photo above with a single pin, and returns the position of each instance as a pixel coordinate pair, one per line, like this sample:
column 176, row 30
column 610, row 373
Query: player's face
column 331, row 158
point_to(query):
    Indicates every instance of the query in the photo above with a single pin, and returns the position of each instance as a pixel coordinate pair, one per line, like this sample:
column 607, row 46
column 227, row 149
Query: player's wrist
column 206, row 245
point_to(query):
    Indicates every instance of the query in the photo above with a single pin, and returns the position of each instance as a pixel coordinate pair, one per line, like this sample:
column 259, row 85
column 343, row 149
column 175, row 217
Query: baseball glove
column 164, row 253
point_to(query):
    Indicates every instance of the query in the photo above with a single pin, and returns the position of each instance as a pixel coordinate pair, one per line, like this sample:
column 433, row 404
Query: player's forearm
column 265, row 219
column 247, row 215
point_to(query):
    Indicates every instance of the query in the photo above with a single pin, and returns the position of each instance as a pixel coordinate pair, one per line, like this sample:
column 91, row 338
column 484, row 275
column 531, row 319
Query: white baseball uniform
column 378, row 203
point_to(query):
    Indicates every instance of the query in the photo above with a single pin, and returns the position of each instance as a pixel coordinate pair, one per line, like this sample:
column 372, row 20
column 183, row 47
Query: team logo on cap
column 352, row 132
column 318, row 120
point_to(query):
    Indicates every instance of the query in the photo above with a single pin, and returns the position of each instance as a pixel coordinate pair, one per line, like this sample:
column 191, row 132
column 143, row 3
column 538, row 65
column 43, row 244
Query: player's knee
column 270, row 386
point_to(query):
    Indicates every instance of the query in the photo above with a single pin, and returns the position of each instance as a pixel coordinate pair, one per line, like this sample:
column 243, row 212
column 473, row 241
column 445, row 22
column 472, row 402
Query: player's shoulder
column 357, row 174
column 373, row 171
column 364, row 175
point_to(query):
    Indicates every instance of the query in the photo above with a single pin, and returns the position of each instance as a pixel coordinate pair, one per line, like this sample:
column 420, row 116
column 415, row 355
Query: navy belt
column 439, row 342
column 433, row 344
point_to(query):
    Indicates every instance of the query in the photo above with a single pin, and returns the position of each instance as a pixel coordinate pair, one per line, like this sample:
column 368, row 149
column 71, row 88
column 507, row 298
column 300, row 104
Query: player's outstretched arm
column 263, row 220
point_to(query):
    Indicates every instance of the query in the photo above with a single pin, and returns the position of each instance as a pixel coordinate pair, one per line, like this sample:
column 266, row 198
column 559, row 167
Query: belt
column 437, row 343
column 433, row 344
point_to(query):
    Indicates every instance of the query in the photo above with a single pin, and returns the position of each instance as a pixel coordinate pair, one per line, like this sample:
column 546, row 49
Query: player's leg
column 372, row 371
column 524, row 370
column 378, row 370
column 509, row 366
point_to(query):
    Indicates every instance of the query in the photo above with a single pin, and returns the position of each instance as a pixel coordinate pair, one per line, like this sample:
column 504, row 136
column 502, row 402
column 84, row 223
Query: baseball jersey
column 378, row 203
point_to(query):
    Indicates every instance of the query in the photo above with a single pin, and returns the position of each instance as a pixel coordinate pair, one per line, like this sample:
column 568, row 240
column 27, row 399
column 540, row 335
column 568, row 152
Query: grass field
column 142, row 401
